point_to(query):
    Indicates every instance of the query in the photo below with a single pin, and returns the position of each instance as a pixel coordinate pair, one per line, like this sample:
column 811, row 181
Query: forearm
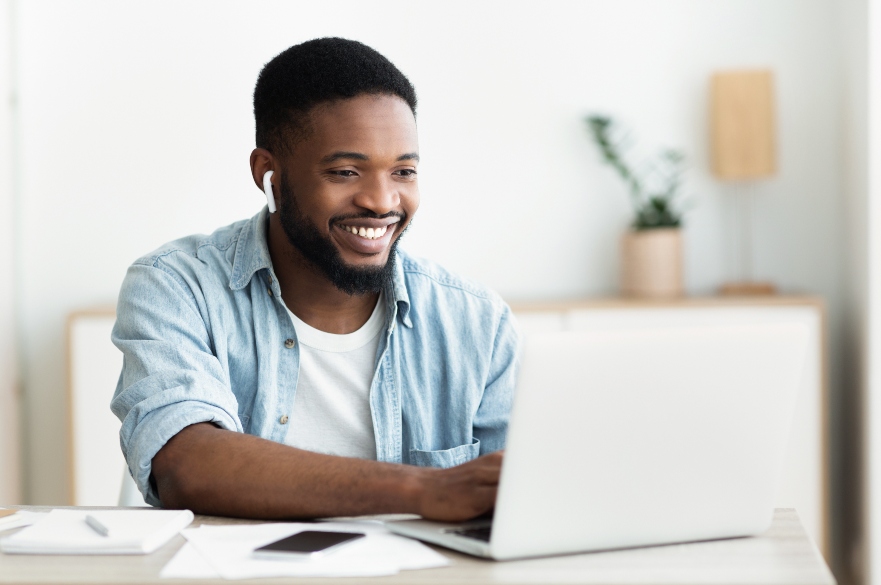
column 214, row 471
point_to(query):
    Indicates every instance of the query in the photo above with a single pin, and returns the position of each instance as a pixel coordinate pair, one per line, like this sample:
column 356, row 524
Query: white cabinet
column 98, row 469
column 805, row 477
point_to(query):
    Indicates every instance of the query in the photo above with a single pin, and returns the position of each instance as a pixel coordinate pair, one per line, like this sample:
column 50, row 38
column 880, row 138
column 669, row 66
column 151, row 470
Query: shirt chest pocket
column 446, row 457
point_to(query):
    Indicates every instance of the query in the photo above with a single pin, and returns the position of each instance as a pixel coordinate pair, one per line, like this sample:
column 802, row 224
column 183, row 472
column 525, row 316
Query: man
column 296, row 364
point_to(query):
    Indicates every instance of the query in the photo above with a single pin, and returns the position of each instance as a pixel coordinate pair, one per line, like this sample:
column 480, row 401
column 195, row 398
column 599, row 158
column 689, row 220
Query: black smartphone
column 305, row 545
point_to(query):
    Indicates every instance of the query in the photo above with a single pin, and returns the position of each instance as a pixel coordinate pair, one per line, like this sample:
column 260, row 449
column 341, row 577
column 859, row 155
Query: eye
column 344, row 173
column 406, row 173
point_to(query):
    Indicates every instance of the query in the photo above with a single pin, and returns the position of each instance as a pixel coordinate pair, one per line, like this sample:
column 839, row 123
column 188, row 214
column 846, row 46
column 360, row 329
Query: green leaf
column 651, row 211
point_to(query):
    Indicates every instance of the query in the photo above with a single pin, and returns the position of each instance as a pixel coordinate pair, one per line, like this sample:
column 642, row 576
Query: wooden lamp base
column 747, row 289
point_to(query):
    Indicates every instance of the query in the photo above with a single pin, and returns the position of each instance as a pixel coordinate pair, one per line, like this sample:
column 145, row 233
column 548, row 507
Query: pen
column 95, row 525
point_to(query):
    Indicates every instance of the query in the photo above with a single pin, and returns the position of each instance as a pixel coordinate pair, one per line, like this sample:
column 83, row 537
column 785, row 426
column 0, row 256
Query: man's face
column 349, row 190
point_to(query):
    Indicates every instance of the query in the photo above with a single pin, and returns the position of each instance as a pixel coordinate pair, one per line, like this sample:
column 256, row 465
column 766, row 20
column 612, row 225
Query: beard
column 319, row 250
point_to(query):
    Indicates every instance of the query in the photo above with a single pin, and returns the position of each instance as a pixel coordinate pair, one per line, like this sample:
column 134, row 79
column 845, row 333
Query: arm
column 215, row 471
column 183, row 439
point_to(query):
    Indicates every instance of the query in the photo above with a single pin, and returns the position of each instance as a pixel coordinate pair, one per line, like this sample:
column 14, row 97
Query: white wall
column 10, row 479
column 136, row 128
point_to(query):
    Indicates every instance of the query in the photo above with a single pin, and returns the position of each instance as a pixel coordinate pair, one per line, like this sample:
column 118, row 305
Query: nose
column 379, row 194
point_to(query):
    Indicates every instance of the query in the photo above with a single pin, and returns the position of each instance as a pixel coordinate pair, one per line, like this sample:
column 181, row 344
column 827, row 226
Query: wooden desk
column 784, row 555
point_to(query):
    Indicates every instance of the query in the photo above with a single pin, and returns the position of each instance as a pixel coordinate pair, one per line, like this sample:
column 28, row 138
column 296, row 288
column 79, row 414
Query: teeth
column 369, row 233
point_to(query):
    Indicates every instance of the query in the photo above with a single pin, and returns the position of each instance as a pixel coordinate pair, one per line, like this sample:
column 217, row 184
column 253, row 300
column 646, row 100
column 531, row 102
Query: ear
column 262, row 162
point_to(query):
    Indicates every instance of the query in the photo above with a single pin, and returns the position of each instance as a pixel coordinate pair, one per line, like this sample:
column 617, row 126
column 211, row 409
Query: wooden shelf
column 679, row 302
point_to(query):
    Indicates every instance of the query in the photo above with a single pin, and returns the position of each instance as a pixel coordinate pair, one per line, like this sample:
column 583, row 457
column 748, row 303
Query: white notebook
column 131, row 532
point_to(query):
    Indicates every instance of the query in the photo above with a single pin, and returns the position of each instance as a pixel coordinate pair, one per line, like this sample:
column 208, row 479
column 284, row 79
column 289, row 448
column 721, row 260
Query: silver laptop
column 631, row 438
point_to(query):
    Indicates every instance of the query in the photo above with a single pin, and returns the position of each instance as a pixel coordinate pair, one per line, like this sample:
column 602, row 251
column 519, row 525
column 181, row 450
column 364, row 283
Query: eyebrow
column 341, row 155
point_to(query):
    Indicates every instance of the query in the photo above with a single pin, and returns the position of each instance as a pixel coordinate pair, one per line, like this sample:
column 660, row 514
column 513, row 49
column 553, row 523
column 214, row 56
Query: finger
column 488, row 475
column 485, row 498
column 493, row 460
column 494, row 456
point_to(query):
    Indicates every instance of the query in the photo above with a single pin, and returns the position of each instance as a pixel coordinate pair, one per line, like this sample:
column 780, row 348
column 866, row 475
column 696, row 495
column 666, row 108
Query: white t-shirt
column 331, row 412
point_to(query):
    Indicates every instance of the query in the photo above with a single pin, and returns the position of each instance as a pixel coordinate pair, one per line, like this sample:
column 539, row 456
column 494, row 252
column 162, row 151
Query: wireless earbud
column 267, row 188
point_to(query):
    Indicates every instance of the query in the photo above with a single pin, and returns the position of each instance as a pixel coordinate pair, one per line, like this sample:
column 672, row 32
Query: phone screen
column 307, row 542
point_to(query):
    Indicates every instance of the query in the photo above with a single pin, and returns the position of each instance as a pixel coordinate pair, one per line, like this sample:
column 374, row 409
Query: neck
column 309, row 294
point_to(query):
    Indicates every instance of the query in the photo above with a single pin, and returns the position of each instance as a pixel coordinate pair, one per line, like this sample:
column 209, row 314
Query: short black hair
column 314, row 72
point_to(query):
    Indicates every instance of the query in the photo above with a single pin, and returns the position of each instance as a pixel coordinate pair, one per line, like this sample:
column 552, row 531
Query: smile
column 368, row 233
column 365, row 235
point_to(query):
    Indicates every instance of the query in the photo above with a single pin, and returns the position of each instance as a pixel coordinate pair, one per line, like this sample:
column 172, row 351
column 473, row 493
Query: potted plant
column 651, row 250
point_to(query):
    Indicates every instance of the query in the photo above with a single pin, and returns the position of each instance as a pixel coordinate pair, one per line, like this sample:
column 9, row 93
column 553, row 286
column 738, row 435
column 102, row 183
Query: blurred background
column 124, row 125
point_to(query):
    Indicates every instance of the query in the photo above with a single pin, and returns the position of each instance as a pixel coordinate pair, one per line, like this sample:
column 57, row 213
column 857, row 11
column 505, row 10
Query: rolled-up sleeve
column 491, row 420
column 170, row 377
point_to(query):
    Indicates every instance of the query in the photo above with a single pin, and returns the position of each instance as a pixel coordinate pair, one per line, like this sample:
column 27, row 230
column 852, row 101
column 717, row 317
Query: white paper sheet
column 19, row 519
column 65, row 532
column 225, row 551
column 188, row 563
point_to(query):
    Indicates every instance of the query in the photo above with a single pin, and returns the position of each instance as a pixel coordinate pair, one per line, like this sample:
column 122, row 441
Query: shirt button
column 289, row 343
column 284, row 419
column 269, row 290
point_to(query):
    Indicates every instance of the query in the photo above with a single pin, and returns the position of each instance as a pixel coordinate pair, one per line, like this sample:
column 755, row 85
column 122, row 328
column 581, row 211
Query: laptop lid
column 628, row 438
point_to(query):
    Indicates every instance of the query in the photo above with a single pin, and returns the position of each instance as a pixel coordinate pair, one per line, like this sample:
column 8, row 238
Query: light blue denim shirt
column 205, row 337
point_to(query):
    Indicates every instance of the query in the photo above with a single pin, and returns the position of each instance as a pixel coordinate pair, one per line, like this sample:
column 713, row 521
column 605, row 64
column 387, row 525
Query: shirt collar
column 252, row 251
column 399, row 291
column 252, row 254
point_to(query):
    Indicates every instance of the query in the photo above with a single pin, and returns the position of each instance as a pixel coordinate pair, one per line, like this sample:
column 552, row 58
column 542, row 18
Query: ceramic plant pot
column 651, row 263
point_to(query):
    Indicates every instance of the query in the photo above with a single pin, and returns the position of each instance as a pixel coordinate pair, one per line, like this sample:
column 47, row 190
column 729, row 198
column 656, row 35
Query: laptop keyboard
column 477, row 532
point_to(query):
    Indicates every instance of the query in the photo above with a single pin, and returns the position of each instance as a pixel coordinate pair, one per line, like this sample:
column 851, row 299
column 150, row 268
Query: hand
column 461, row 492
